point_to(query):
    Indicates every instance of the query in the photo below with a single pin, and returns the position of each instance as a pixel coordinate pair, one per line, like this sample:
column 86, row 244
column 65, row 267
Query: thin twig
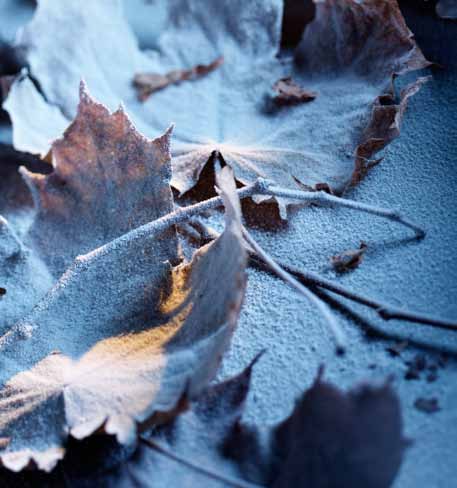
column 323, row 197
column 259, row 187
column 384, row 309
column 236, row 483
column 294, row 283
column 180, row 215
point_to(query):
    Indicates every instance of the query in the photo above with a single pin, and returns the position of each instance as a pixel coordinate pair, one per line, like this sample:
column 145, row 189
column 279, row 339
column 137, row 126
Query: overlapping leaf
column 348, row 55
column 331, row 439
column 123, row 337
column 95, row 193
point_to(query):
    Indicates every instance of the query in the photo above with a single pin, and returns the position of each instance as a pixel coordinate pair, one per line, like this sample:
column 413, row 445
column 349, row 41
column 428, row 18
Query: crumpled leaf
column 148, row 83
column 289, row 93
column 348, row 54
column 331, row 439
column 350, row 259
column 447, row 9
column 123, row 338
column 383, row 127
column 427, row 405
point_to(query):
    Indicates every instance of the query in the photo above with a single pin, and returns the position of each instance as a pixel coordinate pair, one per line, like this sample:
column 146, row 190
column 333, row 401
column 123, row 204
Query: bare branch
column 384, row 309
column 259, row 187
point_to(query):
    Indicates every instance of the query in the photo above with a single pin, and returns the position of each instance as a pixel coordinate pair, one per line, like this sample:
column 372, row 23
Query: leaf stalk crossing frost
column 385, row 310
column 259, row 187
column 323, row 308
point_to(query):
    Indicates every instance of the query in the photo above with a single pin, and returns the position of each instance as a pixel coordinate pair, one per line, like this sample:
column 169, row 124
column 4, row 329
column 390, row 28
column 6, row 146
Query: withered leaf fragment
column 289, row 93
column 148, row 83
column 349, row 260
column 397, row 348
column 427, row 405
column 383, row 127
column 126, row 336
column 348, row 54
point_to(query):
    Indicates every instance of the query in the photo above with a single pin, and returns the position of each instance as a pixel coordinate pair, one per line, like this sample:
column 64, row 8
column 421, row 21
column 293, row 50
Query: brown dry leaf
column 107, row 179
column 348, row 54
column 349, row 260
column 96, row 192
column 148, row 83
column 289, row 93
column 123, row 338
column 383, row 127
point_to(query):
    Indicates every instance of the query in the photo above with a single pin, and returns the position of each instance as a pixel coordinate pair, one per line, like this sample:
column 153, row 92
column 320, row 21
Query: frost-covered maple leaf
column 126, row 334
column 347, row 56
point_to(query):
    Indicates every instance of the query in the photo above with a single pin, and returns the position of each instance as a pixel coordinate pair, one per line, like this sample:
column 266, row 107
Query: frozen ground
column 419, row 176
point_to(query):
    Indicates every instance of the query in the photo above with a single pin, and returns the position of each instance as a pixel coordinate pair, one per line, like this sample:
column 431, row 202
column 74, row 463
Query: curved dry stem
column 384, row 309
column 323, row 308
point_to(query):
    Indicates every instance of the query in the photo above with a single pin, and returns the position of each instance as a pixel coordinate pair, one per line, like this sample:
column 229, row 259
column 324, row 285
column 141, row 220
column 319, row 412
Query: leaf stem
column 384, row 309
column 323, row 308
column 236, row 483
column 259, row 187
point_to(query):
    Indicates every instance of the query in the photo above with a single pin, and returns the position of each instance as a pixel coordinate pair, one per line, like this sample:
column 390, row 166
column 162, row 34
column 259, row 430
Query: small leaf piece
column 148, row 83
column 427, row 405
column 349, row 260
column 289, row 93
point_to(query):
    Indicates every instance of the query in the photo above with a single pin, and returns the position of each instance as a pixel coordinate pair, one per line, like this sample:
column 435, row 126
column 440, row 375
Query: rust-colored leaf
column 349, row 260
column 289, row 93
column 148, row 83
